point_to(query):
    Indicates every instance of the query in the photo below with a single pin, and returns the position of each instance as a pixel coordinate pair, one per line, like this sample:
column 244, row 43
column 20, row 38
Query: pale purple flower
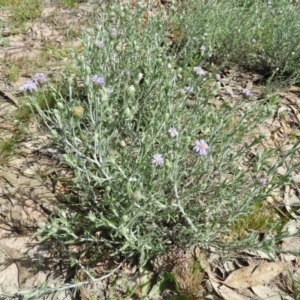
column 218, row 76
column 203, row 48
column 157, row 159
column 269, row 2
column 173, row 132
column 263, row 180
column 97, row 79
column 39, row 77
column 254, row 41
column 29, row 85
column 113, row 32
column 246, row 91
column 199, row 71
column 188, row 89
column 201, row 147
column 210, row 55
column 100, row 44
column 127, row 73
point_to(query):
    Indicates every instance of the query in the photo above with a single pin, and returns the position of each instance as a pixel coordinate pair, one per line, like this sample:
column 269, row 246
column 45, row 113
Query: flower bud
column 60, row 105
column 77, row 111
column 130, row 91
column 168, row 164
column 54, row 133
column 181, row 92
column 125, row 218
column 88, row 70
column 70, row 80
column 167, row 116
column 123, row 231
column 120, row 47
column 137, row 195
column 108, row 189
column 113, row 33
column 123, row 143
column 188, row 140
column 127, row 112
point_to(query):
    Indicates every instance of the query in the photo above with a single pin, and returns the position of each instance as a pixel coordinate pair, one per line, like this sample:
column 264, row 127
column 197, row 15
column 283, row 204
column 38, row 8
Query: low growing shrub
column 154, row 160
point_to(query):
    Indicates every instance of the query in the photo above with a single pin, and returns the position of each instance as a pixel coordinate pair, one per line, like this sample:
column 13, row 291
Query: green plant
column 12, row 71
column 261, row 218
column 7, row 149
column 70, row 3
column 147, row 168
column 25, row 10
column 154, row 160
column 254, row 34
column 4, row 41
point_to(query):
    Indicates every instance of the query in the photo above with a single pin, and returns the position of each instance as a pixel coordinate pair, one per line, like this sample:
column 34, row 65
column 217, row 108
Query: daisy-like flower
column 199, row 71
column 97, row 79
column 41, row 77
column 29, row 85
column 188, row 89
column 157, row 159
column 263, row 180
column 201, row 147
column 218, row 76
column 246, row 92
column 173, row 132
column 113, row 32
column 100, row 44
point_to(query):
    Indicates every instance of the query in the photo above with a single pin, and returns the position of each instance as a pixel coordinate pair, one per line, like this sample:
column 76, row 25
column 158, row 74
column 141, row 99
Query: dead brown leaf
column 264, row 292
column 287, row 130
column 226, row 292
column 254, row 275
column 11, row 97
column 294, row 89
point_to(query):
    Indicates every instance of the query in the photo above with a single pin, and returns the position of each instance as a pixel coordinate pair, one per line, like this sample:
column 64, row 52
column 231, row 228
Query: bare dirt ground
column 29, row 193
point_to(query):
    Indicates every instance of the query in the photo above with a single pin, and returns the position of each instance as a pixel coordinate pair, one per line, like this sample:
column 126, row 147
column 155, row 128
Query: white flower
column 173, row 132
column 199, row 71
column 157, row 159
